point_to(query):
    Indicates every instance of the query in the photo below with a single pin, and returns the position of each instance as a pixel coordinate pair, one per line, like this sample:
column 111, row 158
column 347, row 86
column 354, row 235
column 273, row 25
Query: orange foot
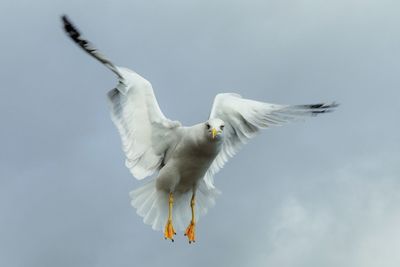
column 190, row 232
column 169, row 231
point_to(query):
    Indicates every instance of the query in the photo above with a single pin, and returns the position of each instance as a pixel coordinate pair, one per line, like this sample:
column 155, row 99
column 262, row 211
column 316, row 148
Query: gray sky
column 319, row 193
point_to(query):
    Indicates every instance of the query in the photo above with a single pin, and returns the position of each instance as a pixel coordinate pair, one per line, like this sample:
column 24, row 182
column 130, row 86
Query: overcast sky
column 324, row 192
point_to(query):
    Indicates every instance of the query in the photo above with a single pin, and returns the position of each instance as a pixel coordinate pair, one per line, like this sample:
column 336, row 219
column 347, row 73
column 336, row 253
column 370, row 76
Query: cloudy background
column 324, row 192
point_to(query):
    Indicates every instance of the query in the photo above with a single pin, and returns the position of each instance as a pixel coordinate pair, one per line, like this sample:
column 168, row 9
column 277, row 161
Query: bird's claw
column 169, row 231
column 190, row 232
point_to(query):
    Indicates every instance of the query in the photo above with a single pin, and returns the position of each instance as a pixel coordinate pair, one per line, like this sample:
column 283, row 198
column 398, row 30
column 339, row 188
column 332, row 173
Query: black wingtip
column 323, row 105
column 323, row 108
column 72, row 31
column 65, row 20
column 69, row 27
column 319, row 108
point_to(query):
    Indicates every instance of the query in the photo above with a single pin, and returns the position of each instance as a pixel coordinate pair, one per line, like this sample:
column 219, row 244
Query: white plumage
column 145, row 132
column 185, row 158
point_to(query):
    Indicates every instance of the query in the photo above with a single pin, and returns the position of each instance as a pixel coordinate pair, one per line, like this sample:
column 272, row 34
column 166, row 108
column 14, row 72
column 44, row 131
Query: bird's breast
column 193, row 160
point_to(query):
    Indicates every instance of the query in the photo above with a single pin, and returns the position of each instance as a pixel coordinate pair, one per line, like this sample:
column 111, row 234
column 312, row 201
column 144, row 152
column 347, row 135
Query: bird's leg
column 169, row 229
column 191, row 229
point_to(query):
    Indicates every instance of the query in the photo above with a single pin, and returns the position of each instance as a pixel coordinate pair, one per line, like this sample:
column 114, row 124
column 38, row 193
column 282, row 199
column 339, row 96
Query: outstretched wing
column 145, row 132
column 244, row 118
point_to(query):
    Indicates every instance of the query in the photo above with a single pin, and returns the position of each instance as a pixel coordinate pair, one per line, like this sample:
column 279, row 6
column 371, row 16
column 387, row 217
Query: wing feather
column 244, row 118
column 146, row 133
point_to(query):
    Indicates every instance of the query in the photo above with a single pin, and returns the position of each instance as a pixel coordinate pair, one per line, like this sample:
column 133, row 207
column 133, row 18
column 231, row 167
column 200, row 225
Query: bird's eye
column 208, row 126
column 222, row 127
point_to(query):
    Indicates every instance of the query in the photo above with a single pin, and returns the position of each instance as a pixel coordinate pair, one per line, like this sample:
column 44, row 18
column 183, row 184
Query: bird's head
column 214, row 129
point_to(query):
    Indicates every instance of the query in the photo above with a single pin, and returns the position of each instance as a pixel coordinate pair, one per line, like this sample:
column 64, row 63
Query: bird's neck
column 202, row 142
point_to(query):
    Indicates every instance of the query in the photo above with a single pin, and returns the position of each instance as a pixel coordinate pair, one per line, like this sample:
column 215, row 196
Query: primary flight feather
column 184, row 158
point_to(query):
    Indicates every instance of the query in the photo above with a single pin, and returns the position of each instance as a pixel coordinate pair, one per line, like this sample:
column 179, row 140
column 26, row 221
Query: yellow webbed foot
column 190, row 232
column 169, row 231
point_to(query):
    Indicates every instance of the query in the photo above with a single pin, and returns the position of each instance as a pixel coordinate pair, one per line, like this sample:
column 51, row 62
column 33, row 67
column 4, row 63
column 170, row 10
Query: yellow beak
column 214, row 133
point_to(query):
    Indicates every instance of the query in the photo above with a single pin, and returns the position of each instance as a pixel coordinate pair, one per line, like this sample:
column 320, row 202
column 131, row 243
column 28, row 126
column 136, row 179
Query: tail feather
column 152, row 214
column 146, row 205
column 152, row 205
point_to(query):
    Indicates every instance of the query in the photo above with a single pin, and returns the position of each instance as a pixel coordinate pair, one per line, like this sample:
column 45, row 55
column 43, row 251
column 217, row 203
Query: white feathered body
column 152, row 143
column 189, row 160
column 183, row 173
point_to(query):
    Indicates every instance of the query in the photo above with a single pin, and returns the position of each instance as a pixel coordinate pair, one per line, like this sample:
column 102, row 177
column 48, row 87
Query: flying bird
column 185, row 159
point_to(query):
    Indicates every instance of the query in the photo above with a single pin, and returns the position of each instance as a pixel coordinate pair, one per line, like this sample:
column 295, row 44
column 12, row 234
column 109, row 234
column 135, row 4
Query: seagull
column 182, row 160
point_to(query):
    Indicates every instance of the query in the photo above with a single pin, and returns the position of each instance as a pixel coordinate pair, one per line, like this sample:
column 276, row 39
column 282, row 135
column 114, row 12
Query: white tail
column 152, row 205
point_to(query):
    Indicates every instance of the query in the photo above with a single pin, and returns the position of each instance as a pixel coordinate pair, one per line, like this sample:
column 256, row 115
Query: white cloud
column 354, row 224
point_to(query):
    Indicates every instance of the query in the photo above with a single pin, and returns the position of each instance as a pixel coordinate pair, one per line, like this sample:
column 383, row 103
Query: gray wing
column 244, row 118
